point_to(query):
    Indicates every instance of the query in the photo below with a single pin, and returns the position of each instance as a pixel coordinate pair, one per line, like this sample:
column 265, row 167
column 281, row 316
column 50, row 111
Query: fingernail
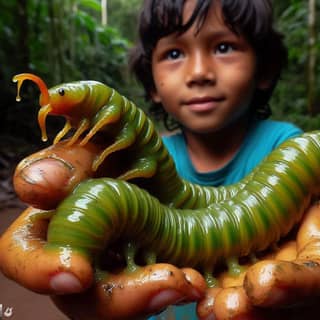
column 65, row 283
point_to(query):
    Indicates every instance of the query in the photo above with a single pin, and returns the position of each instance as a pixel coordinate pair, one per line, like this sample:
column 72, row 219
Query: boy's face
column 205, row 80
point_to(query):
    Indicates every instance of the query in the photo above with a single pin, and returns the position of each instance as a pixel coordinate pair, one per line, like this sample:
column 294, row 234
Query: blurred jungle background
column 66, row 40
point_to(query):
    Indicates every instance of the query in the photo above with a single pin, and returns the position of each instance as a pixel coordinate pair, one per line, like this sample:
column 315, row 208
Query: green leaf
column 91, row 4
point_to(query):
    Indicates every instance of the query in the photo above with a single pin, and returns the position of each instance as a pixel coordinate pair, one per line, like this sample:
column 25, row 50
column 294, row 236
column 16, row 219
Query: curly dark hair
column 251, row 18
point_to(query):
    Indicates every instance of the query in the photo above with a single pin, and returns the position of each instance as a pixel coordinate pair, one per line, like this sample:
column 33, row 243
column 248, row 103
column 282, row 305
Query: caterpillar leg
column 45, row 178
column 234, row 267
column 125, row 138
column 67, row 127
column 107, row 115
column 142, row 168
column 83, row 126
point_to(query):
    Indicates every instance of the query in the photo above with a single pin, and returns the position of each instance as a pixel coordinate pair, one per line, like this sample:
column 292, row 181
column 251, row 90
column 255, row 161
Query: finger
column 310, row 228
column 196, row 280
column 44, row 178
column 228, row 304
column 232, row 301
column 25, row 259
column 130, row 295
column 205, row 307
column 282, row 283
column 233, row 304
column 287, row 252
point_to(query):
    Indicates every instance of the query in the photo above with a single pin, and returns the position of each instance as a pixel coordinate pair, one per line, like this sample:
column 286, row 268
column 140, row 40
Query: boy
column 212, row 66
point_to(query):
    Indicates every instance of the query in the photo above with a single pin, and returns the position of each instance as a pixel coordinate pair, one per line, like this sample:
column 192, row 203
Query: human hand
column 43, row 179
column 283, row 285
column 250, row 295
column 154, row 287
column 120, row 295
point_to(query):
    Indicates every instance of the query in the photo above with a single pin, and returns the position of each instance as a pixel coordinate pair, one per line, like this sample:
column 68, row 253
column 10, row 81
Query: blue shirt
column 262, row 137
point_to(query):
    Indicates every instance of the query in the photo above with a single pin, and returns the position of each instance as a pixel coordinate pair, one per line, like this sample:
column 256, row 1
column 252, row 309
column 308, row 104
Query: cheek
column 241, row 84
column 168, row 103
column 159, row 85
column 164, row 88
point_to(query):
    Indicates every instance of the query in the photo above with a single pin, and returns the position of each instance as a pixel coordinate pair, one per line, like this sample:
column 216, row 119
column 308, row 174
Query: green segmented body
column 268, row 205
column 91, row 107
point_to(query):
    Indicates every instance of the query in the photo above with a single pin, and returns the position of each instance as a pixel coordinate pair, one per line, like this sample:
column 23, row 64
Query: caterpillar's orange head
column 66, row 97
column 44, row 98
column 59, row 100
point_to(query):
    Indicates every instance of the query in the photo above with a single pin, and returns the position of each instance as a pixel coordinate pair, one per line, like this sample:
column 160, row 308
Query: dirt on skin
column 16, row 302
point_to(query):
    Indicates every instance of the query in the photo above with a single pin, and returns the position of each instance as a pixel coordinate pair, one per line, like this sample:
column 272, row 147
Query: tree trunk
column 312, row 55
column 104, row 12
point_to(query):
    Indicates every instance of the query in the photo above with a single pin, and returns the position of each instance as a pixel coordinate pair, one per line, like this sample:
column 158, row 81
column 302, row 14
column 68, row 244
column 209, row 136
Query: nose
column 200, row 70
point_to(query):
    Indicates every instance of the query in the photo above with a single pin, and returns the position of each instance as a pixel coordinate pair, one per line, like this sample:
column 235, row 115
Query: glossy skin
column 54, row 171
column 271, row 202
column 145, row 290
column 206, row 81
column 286, row 280
column 99, row 211
column 27, row 237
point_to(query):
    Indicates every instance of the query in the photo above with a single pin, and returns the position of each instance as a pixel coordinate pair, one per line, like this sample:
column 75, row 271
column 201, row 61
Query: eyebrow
column 220, row 33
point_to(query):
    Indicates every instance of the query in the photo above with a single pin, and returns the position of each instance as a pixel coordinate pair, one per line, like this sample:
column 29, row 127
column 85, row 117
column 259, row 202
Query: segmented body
column 269, row 204
column 91, row 107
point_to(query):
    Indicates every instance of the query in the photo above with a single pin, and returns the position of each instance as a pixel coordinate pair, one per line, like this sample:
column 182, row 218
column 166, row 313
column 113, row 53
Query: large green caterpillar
column 241, row 218
column 99, row 211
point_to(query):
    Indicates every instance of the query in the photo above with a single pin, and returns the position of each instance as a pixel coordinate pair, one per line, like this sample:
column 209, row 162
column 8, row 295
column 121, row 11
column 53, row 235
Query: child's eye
column 224, row 48
column 173, row 54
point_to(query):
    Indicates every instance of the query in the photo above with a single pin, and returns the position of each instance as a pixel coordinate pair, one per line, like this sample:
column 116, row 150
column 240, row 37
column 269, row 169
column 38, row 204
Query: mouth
column 203, row 104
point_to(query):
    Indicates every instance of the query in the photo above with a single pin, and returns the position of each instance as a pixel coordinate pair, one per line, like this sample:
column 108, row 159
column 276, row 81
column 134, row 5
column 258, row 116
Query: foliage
column 123, row 15
column 75, row 42
column 290, row 99
column 59, row 40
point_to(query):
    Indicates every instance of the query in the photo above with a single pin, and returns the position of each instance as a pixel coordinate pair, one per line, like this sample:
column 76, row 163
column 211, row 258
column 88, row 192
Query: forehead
column 190, row 6
column 205, row 23
column 213, row 15
column 211, row 22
